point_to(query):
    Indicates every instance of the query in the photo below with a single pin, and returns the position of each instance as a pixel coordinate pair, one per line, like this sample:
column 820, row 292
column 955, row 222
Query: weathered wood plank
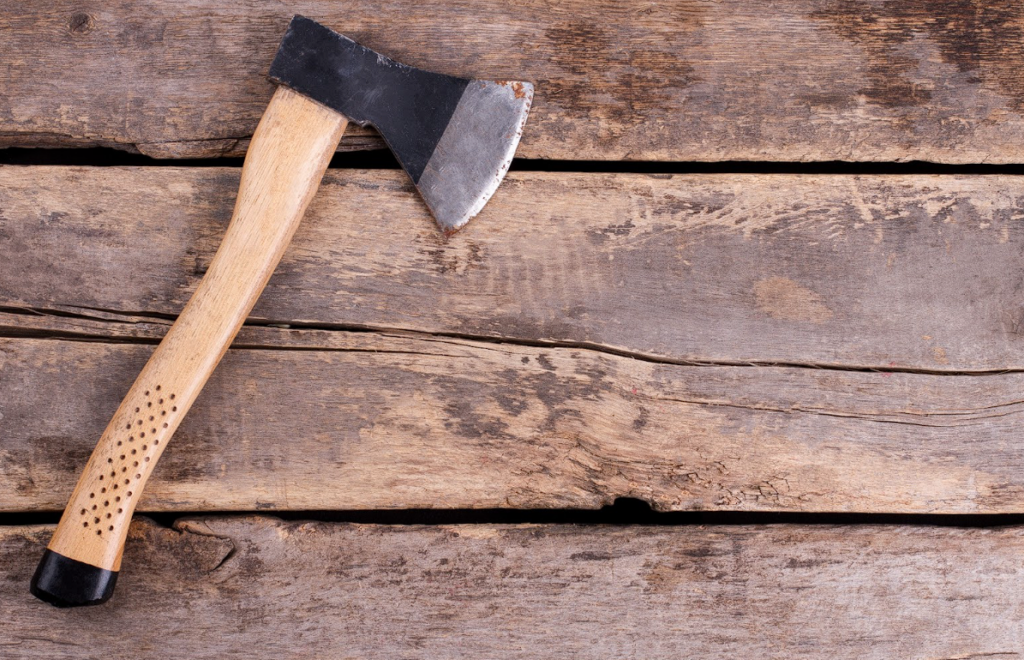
column 680, row 80
column 336, row 590
column 893, row 272
column 308, row 419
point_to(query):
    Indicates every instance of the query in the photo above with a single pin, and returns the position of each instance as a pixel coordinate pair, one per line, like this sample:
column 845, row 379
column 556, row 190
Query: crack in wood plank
column 921, row 274
column 404, row 420
column 15, row 327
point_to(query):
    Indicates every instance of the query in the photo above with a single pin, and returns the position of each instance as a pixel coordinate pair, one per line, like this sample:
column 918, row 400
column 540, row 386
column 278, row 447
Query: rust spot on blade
column 517, row 87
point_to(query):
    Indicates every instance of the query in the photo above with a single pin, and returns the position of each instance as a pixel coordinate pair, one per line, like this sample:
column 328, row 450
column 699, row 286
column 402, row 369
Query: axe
column 454, row 136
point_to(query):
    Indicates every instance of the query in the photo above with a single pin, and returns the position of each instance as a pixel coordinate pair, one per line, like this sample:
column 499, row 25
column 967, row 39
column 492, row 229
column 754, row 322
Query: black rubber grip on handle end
column 66, row 582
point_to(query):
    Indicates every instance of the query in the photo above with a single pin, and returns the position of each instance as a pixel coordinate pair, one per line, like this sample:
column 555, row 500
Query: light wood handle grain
column 289, row 152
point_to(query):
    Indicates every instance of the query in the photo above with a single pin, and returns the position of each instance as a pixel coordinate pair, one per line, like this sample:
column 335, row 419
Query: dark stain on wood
column 464, row 417
column 648, row 78
column 510, row 403
column 80, row 23
column 980, row 37
column 641, row 419
column 65, row 454
column 470, row 409
column 544, row 362
column 602, row 234
column 467, row 411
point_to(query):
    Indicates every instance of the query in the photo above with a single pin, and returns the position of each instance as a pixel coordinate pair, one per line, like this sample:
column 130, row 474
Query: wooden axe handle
column 289, row 153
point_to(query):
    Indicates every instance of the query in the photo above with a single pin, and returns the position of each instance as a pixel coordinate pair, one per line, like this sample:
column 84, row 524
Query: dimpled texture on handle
column 287, row 157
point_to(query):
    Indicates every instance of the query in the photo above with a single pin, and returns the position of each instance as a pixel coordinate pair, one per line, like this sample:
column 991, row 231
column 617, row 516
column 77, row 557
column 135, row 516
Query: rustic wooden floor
column 759, row 268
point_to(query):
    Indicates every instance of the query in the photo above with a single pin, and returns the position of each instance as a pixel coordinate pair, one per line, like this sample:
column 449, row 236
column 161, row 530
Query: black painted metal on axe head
column 454, row 136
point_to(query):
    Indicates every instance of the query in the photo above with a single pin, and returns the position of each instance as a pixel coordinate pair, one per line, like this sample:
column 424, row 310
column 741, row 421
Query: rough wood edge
column 537, row 591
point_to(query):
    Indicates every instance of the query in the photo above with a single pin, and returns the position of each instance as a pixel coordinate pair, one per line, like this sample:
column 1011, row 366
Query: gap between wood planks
column 624, row 511
column 384, row 159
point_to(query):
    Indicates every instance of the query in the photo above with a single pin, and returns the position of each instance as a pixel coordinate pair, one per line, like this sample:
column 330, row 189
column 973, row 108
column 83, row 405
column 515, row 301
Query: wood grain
column 318, row 420
column 876, row 272
column 290, row 151
column 294, row 589
column 686, row 80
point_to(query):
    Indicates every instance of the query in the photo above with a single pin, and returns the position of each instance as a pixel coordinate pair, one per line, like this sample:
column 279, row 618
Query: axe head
column 454, row 136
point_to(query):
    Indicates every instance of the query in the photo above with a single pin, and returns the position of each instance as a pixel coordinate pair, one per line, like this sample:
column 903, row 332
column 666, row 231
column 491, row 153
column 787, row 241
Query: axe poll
column 455, row 137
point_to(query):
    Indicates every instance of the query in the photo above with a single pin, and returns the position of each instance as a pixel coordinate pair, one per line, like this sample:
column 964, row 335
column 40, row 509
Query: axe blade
column 455, row 137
